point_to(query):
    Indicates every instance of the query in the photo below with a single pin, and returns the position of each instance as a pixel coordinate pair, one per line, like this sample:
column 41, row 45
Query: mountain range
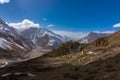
column 97, row 60
column 37, row 53
column 18, row 42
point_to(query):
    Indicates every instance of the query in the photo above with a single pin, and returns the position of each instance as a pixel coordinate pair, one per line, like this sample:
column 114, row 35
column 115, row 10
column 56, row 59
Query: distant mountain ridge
column 93, row 36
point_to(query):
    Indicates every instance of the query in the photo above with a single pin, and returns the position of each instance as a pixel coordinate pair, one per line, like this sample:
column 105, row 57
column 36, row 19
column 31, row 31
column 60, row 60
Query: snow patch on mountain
column 51, row 42
column 4, row 44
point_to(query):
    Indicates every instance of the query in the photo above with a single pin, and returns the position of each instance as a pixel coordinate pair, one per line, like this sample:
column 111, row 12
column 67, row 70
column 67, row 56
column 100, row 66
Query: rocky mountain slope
column 43, row 38
column 93, row 36
column 12, row 43
column 98, row 60
column 69, row 47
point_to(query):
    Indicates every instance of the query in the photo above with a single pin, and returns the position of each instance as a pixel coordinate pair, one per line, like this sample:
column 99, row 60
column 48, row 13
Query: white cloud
column 25, row 24
column 44, row 19
column 50, row 25
column 71, row 35
column 116, row 25
column 4, row 1
column 112, row 31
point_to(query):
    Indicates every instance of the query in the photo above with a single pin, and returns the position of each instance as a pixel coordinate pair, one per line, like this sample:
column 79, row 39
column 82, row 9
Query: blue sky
column 65, row 15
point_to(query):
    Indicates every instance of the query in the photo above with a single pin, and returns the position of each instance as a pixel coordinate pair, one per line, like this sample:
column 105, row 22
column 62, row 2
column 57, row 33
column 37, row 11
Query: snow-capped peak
column 25, row 24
